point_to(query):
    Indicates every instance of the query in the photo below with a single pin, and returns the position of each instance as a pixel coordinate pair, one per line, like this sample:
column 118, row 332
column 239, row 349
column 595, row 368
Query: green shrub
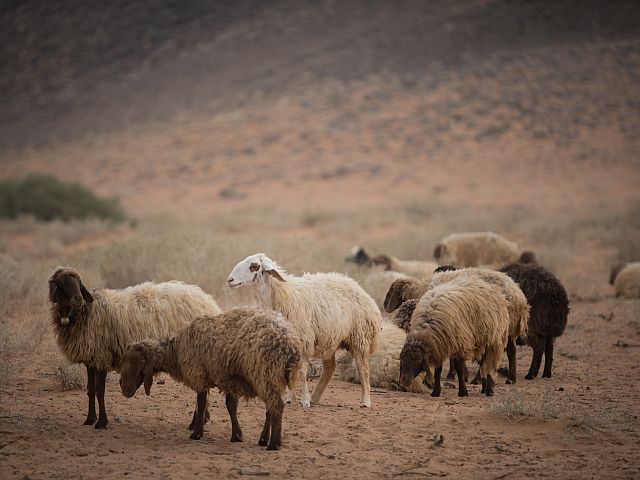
column 47, row 198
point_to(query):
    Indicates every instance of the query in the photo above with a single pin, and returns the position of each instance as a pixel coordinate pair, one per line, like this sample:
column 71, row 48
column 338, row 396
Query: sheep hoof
column 273, row 447
column 528, row 376
column 510, row 382
column 489, row 394
column 101, row 424
column 464, row 393
column 90, row 420
column 236, row 438
column 546, row 375
column 365, row 403
column 196, row 436
column 435, row 394
column 305, row 404
column 263, row 442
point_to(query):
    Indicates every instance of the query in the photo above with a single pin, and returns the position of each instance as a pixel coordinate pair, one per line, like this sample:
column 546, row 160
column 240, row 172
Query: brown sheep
column 245, row 352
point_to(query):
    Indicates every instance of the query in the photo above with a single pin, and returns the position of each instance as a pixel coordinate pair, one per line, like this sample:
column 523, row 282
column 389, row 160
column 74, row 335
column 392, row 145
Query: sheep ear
column 276, row 274
column 392, row 300
column 439, row 251
column 85, row 294
column 53, row 288
column 148, row 376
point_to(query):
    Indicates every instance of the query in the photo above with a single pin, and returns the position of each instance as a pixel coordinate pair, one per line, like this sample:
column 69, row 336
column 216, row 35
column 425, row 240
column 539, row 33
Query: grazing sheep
column 549, row 310
column 245, row 352
column 414, row 268
column 402, row 319
column 328, row 311
column 94, row 328
column 407, row 289
column 464, row 319
column 384, row 365
column 625, row 278
column 477, row 249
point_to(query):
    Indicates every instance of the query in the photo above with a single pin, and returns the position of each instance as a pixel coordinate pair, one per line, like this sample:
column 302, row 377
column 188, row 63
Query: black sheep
column 549, row 310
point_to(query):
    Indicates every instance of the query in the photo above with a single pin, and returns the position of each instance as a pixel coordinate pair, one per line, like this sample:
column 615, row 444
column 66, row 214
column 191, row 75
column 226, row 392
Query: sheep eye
column 254, row 267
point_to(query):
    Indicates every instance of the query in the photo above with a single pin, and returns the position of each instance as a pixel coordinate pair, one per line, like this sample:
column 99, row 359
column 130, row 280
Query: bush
column 48, row 198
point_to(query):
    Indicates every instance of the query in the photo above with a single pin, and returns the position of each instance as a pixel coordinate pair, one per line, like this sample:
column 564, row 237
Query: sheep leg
column 101, row 379
column 548, row 357
column 452, row 369
column 275, row 442
column 362, row 362
column 511, row 356
column 483, row 377
column 462, row 387
column 535, row 361
column 305, row 399
column 207, row 416
column 232, row 407
column 198, row 427
column 328, row 367
column 436, row 381
column 489, row 385
column 91, row 393
column 266, row 430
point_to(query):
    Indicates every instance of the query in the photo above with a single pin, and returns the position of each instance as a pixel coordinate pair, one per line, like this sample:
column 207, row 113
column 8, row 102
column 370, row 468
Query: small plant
column 47, row 198
column 71, row 376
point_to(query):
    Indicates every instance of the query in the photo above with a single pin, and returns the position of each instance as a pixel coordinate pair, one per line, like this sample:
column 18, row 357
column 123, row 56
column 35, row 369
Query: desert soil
column 550, row 124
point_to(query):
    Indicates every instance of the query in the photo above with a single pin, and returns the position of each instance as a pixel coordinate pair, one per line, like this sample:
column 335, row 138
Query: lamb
column 464, row 319
column 414, row 268
column 94, row 328
column 383, row 365
column 245, row 352
column 407, row 289
column 328, row 311
column 476, row 249
column 549, row 310
column 625, row 278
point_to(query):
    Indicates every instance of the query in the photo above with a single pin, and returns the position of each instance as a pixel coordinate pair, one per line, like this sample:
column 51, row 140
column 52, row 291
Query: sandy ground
column 550, row 127
column 586, row 426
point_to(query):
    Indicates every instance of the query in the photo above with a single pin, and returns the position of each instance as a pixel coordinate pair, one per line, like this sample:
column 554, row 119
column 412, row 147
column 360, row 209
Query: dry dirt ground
column 548, row 123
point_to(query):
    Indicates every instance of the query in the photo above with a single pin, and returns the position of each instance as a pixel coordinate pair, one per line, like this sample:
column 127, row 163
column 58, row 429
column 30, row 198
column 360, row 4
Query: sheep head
column 135, row 368
column 395, row 295
column 68, row 293
column 413, row 360
column 527, row 256
column 358, row 256
column 440, row 252
column 615, row 270
column 252, row 269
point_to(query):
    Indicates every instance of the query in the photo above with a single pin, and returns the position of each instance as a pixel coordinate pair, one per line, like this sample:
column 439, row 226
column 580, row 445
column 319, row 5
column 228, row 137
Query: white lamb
column 328, row 311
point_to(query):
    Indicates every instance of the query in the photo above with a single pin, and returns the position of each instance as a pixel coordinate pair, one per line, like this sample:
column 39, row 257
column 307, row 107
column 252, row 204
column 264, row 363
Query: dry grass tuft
column 71, row 376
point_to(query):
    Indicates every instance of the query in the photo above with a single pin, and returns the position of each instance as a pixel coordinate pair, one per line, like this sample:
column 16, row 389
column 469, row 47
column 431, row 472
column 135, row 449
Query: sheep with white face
column 328, row 311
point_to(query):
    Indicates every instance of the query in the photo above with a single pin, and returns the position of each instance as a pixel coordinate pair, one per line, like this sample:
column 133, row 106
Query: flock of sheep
column 481, row 297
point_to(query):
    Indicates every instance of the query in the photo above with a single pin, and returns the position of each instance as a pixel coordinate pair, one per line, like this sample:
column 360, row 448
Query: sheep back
column 627, row 281
column 465, row 317
column 546, row 296
column 329, row 311
column 245, row 351
column 475, row 249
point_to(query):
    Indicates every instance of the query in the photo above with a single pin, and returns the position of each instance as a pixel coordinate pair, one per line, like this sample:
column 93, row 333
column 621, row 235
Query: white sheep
column 328, row 311
column 625, row 278
column 94, row 328
column 414, row 268
column 245, row 353
column 477, row 249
